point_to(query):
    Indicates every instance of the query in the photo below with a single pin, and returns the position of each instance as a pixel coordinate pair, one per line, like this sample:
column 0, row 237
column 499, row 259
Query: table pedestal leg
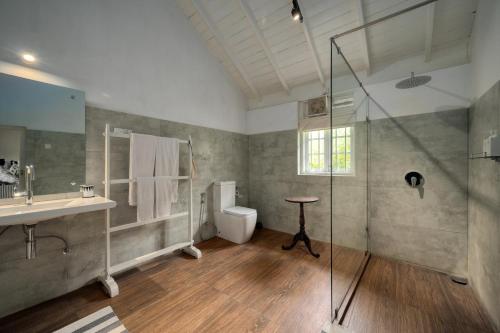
column 301, row 235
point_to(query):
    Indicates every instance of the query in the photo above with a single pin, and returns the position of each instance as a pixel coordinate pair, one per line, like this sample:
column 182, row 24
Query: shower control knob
column 414, row 179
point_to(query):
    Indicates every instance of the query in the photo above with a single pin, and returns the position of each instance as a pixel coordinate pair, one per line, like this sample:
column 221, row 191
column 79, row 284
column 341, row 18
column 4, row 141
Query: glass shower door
column 349, row 165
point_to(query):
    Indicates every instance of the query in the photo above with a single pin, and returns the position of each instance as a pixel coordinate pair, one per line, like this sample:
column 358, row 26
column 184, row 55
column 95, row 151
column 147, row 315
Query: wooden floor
column 397, row 297
column 257, row 287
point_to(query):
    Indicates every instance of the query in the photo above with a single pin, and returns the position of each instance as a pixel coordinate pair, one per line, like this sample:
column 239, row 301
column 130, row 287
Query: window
column 315, row 151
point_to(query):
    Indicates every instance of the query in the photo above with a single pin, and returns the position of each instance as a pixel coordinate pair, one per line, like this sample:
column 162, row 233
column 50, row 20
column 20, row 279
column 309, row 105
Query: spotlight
column 28, row 57
column 296, row 13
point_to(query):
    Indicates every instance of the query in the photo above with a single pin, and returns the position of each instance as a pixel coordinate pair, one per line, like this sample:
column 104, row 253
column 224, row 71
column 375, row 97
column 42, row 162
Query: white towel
column 145, row 198
column 167, row 164
column 142, row 161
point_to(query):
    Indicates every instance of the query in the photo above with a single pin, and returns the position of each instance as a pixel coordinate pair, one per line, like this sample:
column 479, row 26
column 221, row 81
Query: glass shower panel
column 349, row 182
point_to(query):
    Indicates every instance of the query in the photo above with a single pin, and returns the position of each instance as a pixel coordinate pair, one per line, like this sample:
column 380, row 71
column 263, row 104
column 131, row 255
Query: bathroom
column 402, row 206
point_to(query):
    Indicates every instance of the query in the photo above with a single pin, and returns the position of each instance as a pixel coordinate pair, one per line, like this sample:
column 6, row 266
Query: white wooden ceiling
column 265, row 51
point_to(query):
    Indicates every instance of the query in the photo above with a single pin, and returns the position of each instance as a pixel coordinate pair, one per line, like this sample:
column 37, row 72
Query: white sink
column 46, row 210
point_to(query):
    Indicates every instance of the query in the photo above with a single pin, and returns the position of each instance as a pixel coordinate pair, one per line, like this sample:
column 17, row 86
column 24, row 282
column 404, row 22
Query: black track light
column 296, row 13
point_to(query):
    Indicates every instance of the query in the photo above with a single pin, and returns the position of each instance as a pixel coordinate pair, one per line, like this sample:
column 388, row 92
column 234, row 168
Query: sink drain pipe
column 29, row 231
column 31, row 237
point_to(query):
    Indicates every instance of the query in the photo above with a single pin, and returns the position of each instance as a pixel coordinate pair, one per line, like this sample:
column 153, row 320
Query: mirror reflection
column 42, row 138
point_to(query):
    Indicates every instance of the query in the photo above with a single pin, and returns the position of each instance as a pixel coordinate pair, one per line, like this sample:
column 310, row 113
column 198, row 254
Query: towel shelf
column 125, row 180
column 127, row 136
column 140, row 260
column 187, row 246
column 141, row 223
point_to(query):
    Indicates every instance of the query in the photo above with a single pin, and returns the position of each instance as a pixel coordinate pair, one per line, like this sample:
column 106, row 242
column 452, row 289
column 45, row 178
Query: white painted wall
column 140, row 57
column 274, row 118
column 486, row 46
column 449, row 89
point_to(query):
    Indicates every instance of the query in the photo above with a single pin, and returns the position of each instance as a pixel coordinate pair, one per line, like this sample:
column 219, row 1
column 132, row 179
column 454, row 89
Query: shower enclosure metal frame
column 337, row 314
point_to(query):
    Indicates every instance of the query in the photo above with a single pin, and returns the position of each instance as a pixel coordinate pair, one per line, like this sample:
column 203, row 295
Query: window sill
column 327, row 174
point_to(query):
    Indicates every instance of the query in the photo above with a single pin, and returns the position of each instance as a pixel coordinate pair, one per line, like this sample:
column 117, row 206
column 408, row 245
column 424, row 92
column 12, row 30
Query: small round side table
column 301, row 235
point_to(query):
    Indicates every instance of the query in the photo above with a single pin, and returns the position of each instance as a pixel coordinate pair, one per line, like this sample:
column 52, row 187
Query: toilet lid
column 240, row 211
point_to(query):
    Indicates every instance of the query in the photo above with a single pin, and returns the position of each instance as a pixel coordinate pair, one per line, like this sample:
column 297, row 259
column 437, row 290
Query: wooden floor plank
column 398, row 297
column 258, row 287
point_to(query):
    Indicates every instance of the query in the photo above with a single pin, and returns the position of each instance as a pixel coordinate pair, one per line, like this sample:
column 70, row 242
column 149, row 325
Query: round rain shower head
column 413, row 81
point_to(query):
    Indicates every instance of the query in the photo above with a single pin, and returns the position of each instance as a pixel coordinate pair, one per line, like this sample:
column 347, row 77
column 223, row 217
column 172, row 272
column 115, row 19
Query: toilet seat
column 240, row 211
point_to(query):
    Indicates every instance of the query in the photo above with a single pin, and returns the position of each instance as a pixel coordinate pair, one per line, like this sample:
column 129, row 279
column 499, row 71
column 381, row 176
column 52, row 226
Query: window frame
column 303, row 152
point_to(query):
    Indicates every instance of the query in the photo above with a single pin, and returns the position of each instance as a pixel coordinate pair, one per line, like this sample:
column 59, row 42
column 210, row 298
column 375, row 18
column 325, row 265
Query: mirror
column 41, row 125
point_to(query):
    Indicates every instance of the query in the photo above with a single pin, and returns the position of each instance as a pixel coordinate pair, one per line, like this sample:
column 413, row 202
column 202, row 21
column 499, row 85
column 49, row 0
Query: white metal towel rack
column 188, row 247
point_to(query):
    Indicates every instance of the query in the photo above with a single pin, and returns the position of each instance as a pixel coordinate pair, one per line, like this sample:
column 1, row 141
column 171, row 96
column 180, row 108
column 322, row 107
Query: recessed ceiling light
column 28, row 57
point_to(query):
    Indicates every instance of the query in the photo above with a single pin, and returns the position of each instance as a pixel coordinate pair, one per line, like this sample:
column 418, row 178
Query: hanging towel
column 145, row 198
column 167, row 164
column 142, row 162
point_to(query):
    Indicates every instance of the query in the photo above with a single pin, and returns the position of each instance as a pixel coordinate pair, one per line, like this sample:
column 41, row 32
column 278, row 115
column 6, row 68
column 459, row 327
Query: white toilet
column 234, row 223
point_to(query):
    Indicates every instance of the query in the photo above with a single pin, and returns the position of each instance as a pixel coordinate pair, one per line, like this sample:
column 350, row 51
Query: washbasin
column 45, row 210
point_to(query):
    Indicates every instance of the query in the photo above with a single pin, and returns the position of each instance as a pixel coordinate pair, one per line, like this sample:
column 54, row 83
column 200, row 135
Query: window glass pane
column 315, row 148
column 341, row 163
column 322, row 163
column 341, row 145
column 314, row 151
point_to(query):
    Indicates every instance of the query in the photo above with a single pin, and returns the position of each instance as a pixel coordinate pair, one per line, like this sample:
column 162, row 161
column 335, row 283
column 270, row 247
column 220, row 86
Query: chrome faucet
column 29, row 174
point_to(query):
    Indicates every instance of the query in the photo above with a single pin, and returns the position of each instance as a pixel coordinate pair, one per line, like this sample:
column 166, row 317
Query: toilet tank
column 224, row 195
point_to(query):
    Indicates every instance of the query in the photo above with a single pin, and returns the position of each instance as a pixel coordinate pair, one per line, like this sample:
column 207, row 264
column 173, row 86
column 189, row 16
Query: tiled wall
column 274, row 176
column 430, row 230
column 219, row 155
column 59, row 160
column 484, row 205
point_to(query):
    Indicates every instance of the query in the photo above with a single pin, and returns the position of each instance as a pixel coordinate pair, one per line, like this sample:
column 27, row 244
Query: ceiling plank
column 429, row 31
column 312, row 48
column 218, row 36
column 363, row 38
column 251, row 18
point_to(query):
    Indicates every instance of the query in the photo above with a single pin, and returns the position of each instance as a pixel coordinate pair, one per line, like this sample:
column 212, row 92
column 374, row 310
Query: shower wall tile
column 426, row 226
column 484, row 205
column 434, row 222
column 219, row 155
column 273, row 175
column 58, row 167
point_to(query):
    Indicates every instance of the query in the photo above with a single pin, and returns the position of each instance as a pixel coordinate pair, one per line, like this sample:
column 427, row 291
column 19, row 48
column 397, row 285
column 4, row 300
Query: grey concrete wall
column 484, row 206
column 430, row 230
column 219, row 155
column 274, row 176
column 58, row 165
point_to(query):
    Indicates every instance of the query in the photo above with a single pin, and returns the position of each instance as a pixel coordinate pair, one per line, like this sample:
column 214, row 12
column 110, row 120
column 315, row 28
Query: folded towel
column 145, row 198
column 167, row 164
column 142, row 161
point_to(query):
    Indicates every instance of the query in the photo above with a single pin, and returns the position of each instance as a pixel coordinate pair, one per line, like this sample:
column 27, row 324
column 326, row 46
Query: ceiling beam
column 429, row 31
column 219, row 38
column 312, row 48
column 253, row 22
column 363, row 35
